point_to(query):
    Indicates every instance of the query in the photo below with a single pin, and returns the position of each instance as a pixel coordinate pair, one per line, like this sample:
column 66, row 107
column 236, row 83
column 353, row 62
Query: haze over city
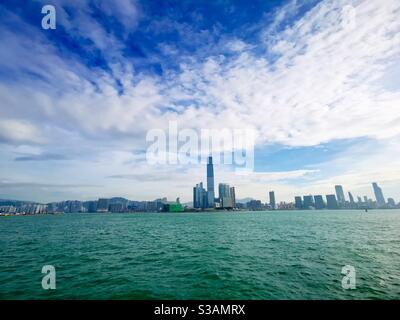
column 318, row 81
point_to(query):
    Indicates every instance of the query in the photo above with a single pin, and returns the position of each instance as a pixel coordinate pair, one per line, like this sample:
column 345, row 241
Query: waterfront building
column 285, row 206
column 116, row 207
column 380, row 200
column 391, row 203
column 340, row 196
column 272, row 202
column 298, row 203
column 225, row 198
column 233, row 197
column 331, row 202
column 8, row 209
column 199, row 196
column 353, row 204
column 308, row 202
column 351, row 198
column 319, row 202
column 210, row 183
column 90, row 206
column 254, row 205
column 102, row 205
column 173, row 207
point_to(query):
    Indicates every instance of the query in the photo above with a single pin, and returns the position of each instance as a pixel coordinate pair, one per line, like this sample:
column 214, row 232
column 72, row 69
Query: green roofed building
column 173, row 207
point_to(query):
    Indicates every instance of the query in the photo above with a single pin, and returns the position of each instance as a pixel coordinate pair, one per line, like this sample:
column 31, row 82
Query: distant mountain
column 10, row 202
column 244, row 200
column 118, row 200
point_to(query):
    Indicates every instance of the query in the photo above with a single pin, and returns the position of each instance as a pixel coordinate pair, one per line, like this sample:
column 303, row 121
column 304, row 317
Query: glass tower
column 340, row 195
column 380, row 200
column 331, row 202
column 210, row 183
column 272, row 202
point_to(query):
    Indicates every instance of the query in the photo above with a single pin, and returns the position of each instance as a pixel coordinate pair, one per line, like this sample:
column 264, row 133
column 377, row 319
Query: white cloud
column 19, row 132
column 316, row 81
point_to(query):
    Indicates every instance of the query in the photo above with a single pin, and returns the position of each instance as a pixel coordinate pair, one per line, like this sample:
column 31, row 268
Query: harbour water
column 246, row 255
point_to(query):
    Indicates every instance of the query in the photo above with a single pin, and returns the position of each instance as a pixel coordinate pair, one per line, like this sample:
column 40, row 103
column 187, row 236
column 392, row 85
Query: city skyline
column 320, row 90
column 202, row 201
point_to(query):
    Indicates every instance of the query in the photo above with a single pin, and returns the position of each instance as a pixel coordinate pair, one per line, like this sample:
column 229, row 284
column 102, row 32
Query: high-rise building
column 210, row 183
column 102, row 205
column 380, row 200
column 391, row 202
column 308, row 202
column 298, row 203
column 340, row 196
column 319, row 202
column 353, row 204
column 254, row 205
column 199, row 196
column 225, row 195
column 331, row 202
column 233, row 197
column 272, row 202
column 351, row 198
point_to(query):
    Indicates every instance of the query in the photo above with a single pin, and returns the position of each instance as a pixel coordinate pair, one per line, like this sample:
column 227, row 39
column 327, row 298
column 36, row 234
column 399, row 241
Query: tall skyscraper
column 298, row 203
column 233, row 197
column 380, row 200
column 272, row 202
column 353, row 204
column 351, row 198
column 199, row 196
column 308, row 201
column 319, row 202
column 225, row 195
column 340, row 195
column 331, row 202
column 210, row 183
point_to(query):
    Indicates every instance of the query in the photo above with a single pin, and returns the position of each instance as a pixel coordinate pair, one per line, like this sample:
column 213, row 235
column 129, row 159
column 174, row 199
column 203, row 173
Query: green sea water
column 246, row 255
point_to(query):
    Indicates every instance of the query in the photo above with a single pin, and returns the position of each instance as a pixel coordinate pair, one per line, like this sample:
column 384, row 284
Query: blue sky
column 317, row 81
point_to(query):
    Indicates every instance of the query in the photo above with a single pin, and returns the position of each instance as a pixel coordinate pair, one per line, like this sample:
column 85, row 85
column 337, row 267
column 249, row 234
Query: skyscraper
column 308, row 201
column 199, row 196
column 353, row 204
column 210, row 183
column 340, row 195
column 102, row 205
column 225, row 195
column 272, row 202
column 380, row 200
column 319, row 202
column 298, row 203
column 331, row 202
column 233, row 197
column 351, row 198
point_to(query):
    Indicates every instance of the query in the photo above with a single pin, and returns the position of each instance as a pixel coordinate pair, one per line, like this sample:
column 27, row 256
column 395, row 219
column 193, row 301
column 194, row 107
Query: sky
column 318, row 81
